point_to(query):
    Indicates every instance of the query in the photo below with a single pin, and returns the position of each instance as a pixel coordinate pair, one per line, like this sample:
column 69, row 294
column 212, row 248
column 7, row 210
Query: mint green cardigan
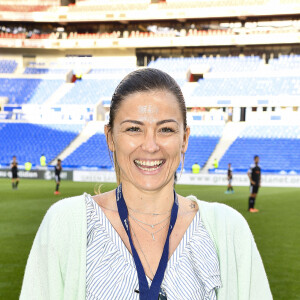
column 56, row 267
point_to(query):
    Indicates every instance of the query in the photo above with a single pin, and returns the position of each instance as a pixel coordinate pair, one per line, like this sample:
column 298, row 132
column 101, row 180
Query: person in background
column 216, row 164
column 229, row 178
column 195, row 168
column 254, row 174
column 142, row 240
column 175, row 178
column 28, row 166
column 43, row 161
column 14, row 173
column 58, row 169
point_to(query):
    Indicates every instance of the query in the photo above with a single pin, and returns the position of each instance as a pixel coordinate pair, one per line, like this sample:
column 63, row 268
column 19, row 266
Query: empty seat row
column 278, row 147
column 29, row 141
column 7, row 65
column 28, row 90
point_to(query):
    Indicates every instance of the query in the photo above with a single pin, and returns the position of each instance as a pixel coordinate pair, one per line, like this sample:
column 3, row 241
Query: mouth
column 149, row 165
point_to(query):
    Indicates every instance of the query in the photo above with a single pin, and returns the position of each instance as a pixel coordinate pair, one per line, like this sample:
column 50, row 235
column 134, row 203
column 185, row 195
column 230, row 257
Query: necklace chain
column 152, row 233
column 137, row 211
column 153, row 214
column 151, row 225
column 142, row 252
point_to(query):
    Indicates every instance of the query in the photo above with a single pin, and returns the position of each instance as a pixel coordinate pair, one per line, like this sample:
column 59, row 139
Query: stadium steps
column 230, row 133
column 89, row 130
column 59, row 93
column 19, row 69
column 188, row 89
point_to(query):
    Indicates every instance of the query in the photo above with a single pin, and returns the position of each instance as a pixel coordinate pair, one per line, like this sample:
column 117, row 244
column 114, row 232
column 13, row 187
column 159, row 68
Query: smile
column 149, row 165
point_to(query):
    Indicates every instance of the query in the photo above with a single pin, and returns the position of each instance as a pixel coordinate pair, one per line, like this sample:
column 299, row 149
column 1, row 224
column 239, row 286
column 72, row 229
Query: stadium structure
column 237, row 62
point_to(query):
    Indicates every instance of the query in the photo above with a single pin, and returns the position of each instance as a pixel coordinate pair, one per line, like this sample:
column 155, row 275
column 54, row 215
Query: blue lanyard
column 147, row 293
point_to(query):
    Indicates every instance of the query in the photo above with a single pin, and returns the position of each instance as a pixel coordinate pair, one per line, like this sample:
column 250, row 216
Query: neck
column 143, row 201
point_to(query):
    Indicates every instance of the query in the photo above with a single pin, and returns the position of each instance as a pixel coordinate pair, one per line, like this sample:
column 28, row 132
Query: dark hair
column 256, row 156
column 145, row 80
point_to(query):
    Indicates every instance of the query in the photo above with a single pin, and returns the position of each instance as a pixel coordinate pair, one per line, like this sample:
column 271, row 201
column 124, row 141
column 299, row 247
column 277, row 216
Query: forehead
column 154, row 103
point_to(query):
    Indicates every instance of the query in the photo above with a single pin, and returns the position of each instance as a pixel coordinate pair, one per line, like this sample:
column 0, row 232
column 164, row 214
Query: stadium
column 238, row 65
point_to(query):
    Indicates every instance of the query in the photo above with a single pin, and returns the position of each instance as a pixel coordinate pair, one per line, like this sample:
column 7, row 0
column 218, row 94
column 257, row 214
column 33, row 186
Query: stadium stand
column 27, row 90
column 28, row 141
column 27, row 5
column 253, row 86
column 285, row 62
column 227, row 72
column 30, row 70
column 173, row 4
column 92, row 153
column 23, row 8
column 215, row 64
column 44, row 90
column 202, row 142
column 115, row 72
column 278, row 148
column 7, row 66
column 89, row 91
column 208, row 3
column 110, row 6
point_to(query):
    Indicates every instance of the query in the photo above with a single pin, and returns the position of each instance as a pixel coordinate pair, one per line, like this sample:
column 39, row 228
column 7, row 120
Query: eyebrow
column 158, row 123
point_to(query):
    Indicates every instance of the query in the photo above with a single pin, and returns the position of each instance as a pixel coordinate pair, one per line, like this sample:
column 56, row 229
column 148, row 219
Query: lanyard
column 147, row 293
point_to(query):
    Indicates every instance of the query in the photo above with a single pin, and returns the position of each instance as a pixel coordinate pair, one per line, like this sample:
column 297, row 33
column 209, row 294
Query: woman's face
column 148, row 137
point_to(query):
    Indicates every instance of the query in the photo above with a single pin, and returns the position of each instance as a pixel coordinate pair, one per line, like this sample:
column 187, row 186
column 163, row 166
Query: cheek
column 125, row 145
column 173, row 148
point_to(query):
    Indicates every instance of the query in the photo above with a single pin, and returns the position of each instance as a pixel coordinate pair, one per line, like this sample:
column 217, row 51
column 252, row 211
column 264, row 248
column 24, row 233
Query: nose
column 149, row 143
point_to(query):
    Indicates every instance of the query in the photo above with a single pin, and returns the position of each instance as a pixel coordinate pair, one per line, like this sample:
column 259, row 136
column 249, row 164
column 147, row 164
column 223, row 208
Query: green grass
column 275, row 227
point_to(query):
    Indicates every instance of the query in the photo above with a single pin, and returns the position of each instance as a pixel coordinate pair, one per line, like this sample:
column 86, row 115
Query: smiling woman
column 148, row 138
column 142, row 240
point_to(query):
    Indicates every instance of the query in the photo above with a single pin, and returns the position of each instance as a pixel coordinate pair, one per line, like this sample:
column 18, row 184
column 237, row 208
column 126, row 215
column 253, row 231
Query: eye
column 133, row 129
column 167, row 130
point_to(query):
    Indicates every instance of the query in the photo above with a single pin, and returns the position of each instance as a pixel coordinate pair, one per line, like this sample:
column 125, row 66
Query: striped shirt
column 192, row 271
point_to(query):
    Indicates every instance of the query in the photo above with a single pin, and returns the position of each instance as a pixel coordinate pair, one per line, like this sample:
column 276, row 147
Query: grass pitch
column 276, row 227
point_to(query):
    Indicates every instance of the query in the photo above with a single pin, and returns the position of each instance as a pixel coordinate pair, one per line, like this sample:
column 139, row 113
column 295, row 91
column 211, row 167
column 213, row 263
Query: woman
column 142, row 240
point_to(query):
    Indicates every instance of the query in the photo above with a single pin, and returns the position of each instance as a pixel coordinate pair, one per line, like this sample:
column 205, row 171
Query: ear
column 109, row 138
column 185, row 139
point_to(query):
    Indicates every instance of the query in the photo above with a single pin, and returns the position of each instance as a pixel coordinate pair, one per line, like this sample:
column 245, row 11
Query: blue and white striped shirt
column 192, row 271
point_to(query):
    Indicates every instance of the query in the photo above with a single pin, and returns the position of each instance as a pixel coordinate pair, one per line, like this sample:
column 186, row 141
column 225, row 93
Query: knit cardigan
column 56, row 267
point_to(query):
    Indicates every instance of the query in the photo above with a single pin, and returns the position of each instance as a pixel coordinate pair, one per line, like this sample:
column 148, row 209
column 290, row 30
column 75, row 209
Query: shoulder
column 64, row 219
column 252, row 166
column 67, row 209
column 217, row 215
column 225, row 225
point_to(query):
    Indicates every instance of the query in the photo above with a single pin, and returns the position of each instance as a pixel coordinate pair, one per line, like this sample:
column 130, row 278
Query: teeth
column 147, row 169
column 149, row 163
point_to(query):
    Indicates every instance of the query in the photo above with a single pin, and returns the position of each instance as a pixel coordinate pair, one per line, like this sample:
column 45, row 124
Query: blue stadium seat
column 28, row 141
column 25, row 90
column 92, row 153
column 285, row 63
column 118, row 72
column 7, row 66
column 30, row 70
column 90, row 91
column 217, row 64
column 254, row 86
column 199, row 150
column 277, row 146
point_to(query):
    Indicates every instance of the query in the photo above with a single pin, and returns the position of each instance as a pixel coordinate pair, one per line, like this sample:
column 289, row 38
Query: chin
column 152, row 185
